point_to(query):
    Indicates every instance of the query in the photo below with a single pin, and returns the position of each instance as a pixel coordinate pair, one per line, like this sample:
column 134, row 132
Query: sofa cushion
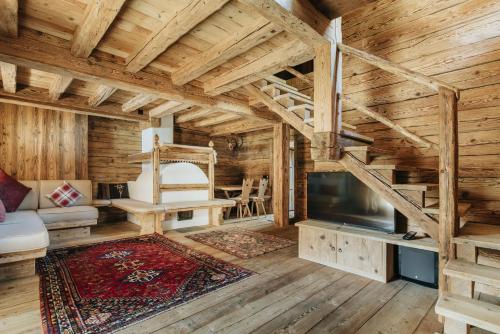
column 65, row 195
column 22, row 231
column 2, row 212
column 30, row 202
column 48, row 186
column 72, row 213
column 12, row 192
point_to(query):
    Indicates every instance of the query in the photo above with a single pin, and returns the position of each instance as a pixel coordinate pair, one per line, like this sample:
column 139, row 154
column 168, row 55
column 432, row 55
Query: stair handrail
column 430, row 82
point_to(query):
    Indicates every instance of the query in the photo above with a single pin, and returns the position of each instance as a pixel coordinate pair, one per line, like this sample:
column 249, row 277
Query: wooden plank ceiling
column 132, row 59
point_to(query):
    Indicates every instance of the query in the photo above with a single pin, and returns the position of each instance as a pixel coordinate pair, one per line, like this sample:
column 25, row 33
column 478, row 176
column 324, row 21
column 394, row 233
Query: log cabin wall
column 40, row 144
column 455, row 41
column 110, row 142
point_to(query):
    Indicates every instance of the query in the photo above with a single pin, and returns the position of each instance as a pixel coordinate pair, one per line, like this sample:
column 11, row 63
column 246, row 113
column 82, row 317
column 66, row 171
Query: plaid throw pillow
column 65, row 195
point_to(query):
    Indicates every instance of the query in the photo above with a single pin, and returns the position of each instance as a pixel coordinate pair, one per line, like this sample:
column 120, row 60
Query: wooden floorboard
column 287, row 295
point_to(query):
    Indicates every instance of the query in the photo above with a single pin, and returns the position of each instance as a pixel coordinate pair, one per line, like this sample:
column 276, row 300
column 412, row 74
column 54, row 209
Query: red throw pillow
column 12, row 192
column 65, row 195
column 2, row 212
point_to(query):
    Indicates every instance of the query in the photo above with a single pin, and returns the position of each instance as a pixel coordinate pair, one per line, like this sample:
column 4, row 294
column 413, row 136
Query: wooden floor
column 289, row 295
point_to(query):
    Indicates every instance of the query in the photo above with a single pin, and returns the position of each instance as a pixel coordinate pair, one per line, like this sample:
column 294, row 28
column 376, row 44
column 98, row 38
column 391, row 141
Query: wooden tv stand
column 363, row 252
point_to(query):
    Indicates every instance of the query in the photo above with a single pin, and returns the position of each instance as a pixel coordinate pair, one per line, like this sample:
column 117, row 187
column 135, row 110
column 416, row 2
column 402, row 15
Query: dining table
column 228, row 189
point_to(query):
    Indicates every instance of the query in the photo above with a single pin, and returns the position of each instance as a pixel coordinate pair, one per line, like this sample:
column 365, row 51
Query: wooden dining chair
column 243, row 200
column 259, row 199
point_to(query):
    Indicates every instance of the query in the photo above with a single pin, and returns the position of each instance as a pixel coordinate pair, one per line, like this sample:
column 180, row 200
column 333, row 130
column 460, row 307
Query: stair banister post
column 155, row 160
column 448, row 180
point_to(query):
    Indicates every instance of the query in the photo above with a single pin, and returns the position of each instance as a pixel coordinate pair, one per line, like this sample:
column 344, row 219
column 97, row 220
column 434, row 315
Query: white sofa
column 23, row 237
column 25, row 234
column 71, row 222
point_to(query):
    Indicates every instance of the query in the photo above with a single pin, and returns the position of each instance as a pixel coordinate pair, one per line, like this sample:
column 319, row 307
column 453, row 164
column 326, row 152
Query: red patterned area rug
column 103, row 287
column 241, row 243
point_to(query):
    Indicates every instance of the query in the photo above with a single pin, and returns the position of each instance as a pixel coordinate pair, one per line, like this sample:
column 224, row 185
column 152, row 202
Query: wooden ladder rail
column 449, row 223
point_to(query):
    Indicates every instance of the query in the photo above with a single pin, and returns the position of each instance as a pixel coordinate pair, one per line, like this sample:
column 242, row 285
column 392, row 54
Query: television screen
column 341, row 198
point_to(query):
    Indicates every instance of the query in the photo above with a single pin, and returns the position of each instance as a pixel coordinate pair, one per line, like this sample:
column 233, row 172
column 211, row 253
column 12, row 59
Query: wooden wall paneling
column 42, row 144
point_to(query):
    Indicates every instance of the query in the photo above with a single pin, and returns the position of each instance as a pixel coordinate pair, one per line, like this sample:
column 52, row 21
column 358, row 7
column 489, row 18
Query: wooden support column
column 449, row 223
column 155, row 160
column 327, row 85
column 281, row 171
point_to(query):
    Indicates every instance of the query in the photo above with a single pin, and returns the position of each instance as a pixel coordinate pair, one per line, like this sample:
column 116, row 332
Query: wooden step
column 473, row 272
column 434, row 209
column 356, row 136
column 470, row 311
column 479, row 235
column 301, row 106
column 294, row 97
column 371, row 149
column 394, row 167
column 275, row 79
column 284, row 88
column 416, row 186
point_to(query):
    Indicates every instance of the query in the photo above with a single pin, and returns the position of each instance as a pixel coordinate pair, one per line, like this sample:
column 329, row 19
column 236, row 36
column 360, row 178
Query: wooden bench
column 150, row 216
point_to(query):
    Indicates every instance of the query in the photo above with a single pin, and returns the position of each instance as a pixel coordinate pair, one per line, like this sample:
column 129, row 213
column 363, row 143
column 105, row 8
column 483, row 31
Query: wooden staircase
column 301, row 107
column 467, row 277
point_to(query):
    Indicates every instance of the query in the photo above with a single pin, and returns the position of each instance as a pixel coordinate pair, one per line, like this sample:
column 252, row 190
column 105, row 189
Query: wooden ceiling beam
column 138, row 101
column 32, row 53
column 298, row 17
column 245, row 39
column 219, row 119
column 195, row 12
column 194, row 114
column 168, row 108
column 290, row 53
column 58, row 86
column 98, row 17
column 102, row 93
column 9, row 18
column 39, row 98
column 9, row 72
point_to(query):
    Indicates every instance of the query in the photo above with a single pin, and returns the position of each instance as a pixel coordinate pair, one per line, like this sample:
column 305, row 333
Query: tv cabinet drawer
column 318, row 246
column 347, row 252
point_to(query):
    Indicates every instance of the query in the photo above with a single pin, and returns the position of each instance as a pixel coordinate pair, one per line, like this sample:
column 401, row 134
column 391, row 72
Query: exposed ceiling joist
column 9, row 18
column 53, row 59
column 213, row 120
column 268, row 64
column 195, row 12
column 102, row 93
column 255, row 34
column 98, row 17
column 168, row 108
column 298, row 17
column 38, row 97
column 58, row 86
column 194, row 114
column 9, row 72
column 138, row 101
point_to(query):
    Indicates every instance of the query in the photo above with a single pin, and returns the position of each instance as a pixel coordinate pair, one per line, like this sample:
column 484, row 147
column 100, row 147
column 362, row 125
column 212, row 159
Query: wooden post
column 155, row 160
column 449, row 223
column 211, row 172
column 327, row 112
column 281, row 174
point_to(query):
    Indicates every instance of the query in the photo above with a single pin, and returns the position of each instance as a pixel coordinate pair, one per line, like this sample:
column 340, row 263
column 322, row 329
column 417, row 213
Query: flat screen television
column 339, row 197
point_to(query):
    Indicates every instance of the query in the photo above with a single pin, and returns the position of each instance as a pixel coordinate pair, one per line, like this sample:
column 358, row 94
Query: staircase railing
column 449, row 222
